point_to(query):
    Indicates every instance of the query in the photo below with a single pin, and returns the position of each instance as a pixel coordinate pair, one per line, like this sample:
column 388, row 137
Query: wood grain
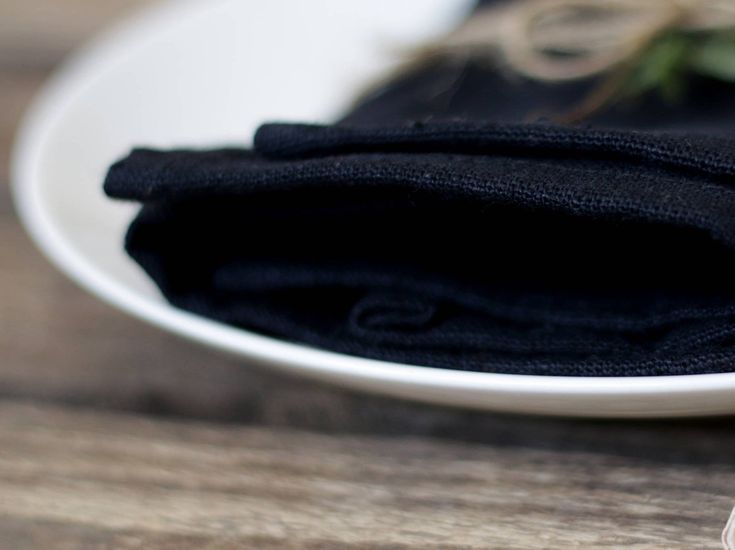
column 131, row 438
column 35, row 35
column 157, row 484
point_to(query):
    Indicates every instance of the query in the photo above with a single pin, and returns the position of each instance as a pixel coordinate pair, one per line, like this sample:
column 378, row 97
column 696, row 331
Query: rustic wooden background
column 115, row 435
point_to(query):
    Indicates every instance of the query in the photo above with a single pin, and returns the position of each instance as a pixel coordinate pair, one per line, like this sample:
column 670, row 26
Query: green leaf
column 661, row 67
column 715, row 57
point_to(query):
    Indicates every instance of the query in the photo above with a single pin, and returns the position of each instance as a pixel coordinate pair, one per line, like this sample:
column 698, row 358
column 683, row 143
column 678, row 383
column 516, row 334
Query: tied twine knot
column 561, row 40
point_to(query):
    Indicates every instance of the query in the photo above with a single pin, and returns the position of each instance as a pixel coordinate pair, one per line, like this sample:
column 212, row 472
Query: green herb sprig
column 664, row 67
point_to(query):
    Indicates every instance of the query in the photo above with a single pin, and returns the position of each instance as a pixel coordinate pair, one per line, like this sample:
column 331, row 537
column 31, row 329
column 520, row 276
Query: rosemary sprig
column 663, row 67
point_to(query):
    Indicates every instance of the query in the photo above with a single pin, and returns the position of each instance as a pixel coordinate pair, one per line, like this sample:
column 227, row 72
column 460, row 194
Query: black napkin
column 435, row 226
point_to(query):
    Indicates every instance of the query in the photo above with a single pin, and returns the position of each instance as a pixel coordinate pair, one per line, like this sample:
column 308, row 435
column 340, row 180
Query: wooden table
column 116, row 435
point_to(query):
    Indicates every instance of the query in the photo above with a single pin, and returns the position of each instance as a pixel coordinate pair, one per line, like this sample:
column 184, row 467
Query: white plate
column 207, row 72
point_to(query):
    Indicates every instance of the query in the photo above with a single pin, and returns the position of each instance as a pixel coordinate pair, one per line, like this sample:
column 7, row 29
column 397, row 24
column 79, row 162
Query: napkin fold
column 442, row 229
column 509, row 248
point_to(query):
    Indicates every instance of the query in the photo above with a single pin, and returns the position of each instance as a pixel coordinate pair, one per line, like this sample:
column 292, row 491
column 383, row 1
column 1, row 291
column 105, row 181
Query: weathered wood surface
column 133, row 482
column 250, row 458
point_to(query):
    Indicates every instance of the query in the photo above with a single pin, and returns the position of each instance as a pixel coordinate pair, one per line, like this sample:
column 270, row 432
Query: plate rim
column 383, row 377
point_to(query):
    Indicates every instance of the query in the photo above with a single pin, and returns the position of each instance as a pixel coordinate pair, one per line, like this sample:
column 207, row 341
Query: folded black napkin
column 436, row 226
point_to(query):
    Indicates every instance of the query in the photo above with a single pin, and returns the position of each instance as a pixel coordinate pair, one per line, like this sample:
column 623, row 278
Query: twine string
column 560, row 40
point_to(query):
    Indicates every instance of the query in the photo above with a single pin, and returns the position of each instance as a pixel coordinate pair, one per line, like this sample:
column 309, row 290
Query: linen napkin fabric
column 435, row 225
